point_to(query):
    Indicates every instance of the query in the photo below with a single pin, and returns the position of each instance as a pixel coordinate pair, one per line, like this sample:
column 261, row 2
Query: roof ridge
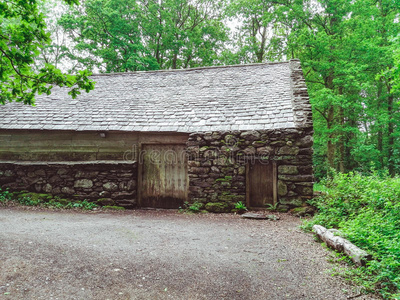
column 193, row 69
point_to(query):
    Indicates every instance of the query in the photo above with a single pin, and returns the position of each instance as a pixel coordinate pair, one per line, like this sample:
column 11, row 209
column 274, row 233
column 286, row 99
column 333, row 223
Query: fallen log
column 334, row 241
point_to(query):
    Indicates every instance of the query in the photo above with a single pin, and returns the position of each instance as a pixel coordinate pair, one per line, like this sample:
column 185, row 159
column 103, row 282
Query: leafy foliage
column 349, row 55
column 5, row 196
column 272, row 207
column 22, row 36
column 194, row 207
column 367, row 210
column 43, row 200
column 122, row 36
column 240, row 206
column 259, row 36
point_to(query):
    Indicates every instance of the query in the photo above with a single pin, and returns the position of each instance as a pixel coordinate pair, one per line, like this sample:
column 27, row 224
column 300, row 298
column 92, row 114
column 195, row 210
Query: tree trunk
column 260, row 54
column 333, row 240
column 174, row 61
column 380, row 146
column 330, row 145
column 380, row 129
column 341, row 141
column 390, row 135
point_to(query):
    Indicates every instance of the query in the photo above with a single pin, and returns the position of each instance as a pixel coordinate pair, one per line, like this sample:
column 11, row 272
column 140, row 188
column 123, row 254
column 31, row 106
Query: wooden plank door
column 164, row 179
column 261, row 184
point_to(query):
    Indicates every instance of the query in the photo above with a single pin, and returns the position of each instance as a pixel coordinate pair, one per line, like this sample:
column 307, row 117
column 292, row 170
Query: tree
column 57, row 52
column 22, row 37
column 184, row 33
column 259, row 36
column 131, row 35
column 347, row 53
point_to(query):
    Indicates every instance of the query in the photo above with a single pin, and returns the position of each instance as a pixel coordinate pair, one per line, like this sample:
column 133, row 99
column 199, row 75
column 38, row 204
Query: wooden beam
column 139, row 175
column 247, row 186
column 275, row 182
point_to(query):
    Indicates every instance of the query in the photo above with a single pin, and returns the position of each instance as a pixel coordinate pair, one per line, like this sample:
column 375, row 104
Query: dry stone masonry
column 217, row 164
column 107, row 183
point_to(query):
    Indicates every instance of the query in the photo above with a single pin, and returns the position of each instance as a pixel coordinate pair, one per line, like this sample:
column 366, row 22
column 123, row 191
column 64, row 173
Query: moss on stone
column 217, row 207
column 62, row 201
column 231, row 198
column 226, row 198
column 105, row 202
column 226, row 184
column 241, row 170
column 37, row 197
column 302, row 211
column 282, row 208
column 282, row 188
column 225, row 179
column 204, row 148
column 288, row 169
column 114, row 207
column 292, row 201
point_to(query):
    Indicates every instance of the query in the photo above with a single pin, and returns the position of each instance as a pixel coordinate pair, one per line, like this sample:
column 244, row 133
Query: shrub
column 367, row 210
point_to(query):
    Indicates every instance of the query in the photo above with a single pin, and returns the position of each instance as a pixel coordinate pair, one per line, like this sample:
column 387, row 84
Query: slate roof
column 243, row 97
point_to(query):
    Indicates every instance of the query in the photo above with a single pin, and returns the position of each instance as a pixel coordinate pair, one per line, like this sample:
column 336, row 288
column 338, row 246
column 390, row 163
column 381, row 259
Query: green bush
column 367, row 210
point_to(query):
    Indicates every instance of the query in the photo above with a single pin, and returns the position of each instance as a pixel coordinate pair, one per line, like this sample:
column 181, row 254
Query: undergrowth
column 42, row 200
column 367, row 210
column 195, row 207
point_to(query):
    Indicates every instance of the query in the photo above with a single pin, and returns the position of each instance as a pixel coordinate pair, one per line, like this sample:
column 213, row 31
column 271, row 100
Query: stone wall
column 216, row 169
column 114, row 183
column 217, row 164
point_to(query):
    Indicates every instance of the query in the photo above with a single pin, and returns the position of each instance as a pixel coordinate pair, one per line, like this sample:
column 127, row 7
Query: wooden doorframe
column 274, row 183
column 139, row 177
column 140, row 168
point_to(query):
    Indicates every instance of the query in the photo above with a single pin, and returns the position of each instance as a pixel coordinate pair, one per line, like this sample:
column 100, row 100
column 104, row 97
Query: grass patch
column 367, row 210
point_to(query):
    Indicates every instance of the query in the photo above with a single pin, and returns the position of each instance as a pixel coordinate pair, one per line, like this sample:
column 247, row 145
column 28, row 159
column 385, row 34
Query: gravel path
column 160, row 255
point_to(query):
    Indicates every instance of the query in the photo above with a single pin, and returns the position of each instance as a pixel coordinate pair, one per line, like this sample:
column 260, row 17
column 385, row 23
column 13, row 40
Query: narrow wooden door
column 164, row 181
column 261, row 184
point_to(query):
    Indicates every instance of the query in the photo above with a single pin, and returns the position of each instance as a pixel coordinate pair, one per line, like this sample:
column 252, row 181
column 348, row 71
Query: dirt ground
column 144, row 254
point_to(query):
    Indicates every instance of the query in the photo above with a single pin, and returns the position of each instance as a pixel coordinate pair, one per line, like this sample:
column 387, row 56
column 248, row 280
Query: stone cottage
column 160, row 138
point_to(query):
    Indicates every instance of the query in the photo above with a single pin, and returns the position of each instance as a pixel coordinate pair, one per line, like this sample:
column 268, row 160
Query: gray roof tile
column 246, row 97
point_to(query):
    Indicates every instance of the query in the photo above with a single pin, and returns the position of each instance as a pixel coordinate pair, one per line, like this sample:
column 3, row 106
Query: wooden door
column 164, row 179
column 261, row 184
